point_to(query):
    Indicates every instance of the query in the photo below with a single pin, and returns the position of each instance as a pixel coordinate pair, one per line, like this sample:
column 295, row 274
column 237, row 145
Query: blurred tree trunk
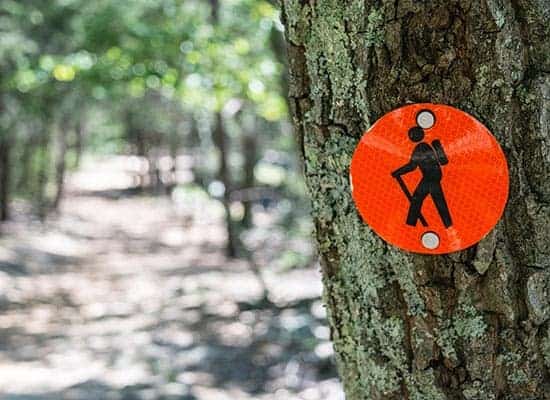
column 215, row 11
column 5, row 170
column 222, row 143
column 155, row 181
column 250, row 152
column 224, row 175
column 136, row 136
column 194, row 136
column 44, row 160
column 79, row 140
column 175, row 142
column 174, row 150
column 141, row 152
column 25, row 163
column 470, row 325
column 60, row 161
column 5, row 174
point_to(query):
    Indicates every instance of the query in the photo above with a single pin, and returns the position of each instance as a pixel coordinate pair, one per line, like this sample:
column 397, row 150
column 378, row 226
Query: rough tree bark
column 473, row 324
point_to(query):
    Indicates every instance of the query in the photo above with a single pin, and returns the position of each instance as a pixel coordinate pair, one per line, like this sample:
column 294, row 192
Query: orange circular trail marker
column 429, row 178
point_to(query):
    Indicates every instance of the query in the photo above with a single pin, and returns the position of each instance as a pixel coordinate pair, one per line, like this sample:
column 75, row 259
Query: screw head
column 425, row 119
column 430, row 240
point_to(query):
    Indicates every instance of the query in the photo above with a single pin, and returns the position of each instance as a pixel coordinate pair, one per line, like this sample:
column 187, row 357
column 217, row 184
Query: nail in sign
column 429, row 178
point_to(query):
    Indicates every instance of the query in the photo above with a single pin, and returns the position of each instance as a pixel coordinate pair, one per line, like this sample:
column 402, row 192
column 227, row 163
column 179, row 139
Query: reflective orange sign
column 429, row 178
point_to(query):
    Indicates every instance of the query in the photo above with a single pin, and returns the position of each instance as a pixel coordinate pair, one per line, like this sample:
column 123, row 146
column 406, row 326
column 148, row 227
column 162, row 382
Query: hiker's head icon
column 416, row 134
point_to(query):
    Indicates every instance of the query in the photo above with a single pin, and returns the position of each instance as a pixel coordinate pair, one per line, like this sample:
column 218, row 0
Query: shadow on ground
column 122, row 297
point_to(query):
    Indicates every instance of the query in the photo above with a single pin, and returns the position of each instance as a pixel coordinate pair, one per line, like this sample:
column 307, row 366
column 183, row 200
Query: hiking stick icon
column 408, row 194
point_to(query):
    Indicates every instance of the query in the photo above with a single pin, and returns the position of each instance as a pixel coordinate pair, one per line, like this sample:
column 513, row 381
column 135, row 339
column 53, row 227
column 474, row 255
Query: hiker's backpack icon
column 429, row 178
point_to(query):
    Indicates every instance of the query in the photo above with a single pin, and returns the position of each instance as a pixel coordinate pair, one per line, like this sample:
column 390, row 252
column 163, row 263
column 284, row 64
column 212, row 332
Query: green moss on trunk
column 474, row 324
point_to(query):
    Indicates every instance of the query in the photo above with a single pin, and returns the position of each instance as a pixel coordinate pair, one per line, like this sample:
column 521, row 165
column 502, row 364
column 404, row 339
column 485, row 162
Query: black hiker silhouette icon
column 429, row 179
column 429, row 159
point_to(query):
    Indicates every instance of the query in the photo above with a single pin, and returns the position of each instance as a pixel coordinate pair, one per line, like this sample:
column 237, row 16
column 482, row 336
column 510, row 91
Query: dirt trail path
column 132, row 298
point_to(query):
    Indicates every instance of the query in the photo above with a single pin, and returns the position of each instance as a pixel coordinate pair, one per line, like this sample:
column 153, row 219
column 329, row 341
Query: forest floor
column 131, row 297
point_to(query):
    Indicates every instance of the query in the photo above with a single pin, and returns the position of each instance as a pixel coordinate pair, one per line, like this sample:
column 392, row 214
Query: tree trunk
column 44, row 161
column 79, row 140
column 5, row 171
column 25, row 163
column 473, row 324
column 250, row 152
column 222, row 143
column 5, row 175
column 224, row 175
column 174, row 145
column 60, row 162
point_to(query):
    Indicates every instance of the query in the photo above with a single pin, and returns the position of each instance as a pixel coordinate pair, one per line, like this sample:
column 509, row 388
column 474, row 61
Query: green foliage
column 141, row 77
column 231, row 59
column 111, row 49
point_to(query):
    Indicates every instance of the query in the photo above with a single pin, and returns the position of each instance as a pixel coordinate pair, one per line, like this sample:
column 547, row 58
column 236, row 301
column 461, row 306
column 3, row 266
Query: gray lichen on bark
column 473, row 324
